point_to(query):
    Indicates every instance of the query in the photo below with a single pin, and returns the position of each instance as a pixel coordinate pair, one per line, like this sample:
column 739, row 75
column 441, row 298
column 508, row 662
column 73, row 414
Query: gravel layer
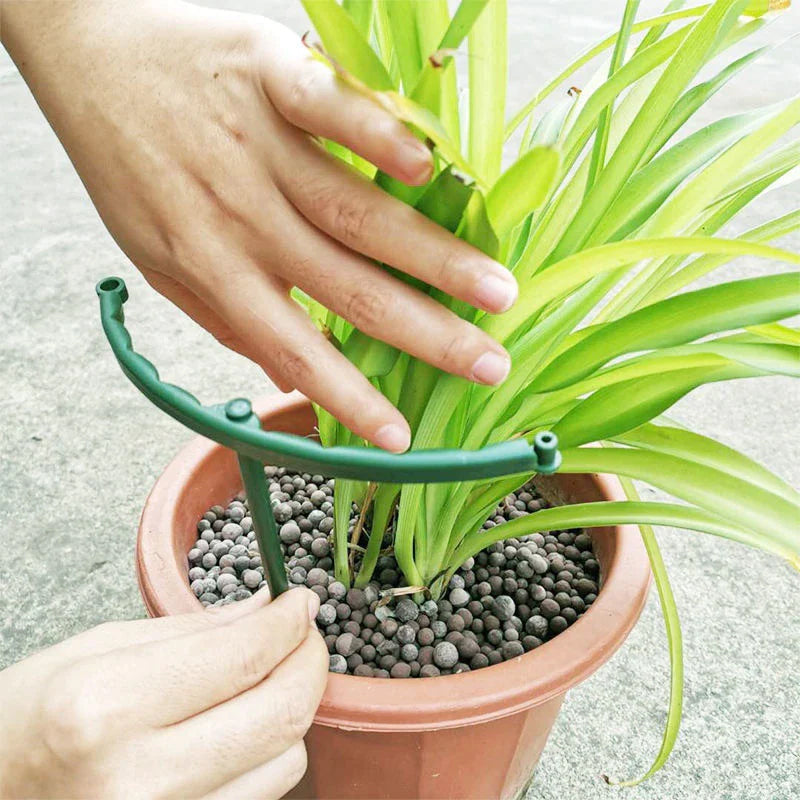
column 509, row 599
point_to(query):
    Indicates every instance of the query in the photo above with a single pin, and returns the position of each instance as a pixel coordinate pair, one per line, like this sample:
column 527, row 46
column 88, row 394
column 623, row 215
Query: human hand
column 193, row 131
column 211, row 704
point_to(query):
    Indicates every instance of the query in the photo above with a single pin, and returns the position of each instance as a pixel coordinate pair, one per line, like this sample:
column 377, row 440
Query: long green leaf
column 649, row 187
column 677, row 320
column 774, row 229
column 599, row 149
column 343, row 40
column 669, row 611
column 688, row 60
column 361, row 11
column 658, row 24
column 621, row 512
column 523, row 187
column 487, row 89
column 623, row 406
column 573, row 271
column 704, row 450
column 772, row 519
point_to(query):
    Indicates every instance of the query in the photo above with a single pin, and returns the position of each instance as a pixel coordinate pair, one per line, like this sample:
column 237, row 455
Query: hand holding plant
column 194, row 131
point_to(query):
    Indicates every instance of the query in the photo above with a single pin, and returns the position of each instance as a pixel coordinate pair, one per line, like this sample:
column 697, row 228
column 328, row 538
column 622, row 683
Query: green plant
column 607, row 218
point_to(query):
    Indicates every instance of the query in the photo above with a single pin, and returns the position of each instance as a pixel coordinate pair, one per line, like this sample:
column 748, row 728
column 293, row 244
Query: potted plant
column 608, row 218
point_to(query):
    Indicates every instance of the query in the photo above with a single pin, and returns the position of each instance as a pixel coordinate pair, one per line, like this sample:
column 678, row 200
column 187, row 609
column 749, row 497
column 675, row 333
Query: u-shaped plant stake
column 234, row 425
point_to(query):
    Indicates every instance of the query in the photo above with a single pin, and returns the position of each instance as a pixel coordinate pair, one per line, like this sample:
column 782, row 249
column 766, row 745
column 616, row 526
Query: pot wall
column 418, row 738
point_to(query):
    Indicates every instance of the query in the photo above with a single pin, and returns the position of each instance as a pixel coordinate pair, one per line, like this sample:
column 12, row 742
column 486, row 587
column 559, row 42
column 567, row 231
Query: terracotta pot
column 378, row 738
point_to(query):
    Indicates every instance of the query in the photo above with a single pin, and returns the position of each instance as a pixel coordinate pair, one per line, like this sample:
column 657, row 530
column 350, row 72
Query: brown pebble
column 355, row 598
column 478, row 661
column 347, row 644
column 351, row 627
column 368, row 652
column 467, row 649
column 401, row 670
column 425, row 637
column 387, row 661
column 354, row 661
column 455, row 623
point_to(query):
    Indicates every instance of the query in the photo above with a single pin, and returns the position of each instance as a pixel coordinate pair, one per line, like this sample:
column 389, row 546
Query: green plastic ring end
column 239, row 409
column 545, row 445
column 112, row 286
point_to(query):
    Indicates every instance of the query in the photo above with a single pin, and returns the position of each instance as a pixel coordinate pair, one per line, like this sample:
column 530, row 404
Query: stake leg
column 257, row 490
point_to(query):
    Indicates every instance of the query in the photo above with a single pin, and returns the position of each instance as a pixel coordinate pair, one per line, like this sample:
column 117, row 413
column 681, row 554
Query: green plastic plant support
column 235, row 425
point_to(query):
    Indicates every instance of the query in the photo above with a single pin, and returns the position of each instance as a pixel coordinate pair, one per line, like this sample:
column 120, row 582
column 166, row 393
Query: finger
column 116, row 635
column 309, row 95
column 362, row 216
column 282, row 334
column 383, row 307
column 267, row 781
column 201, row 313
column 174, row 678
column 257, row 725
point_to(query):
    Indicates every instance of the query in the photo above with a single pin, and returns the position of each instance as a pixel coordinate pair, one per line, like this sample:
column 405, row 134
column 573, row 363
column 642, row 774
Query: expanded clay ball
column 445, row 655
column 326, row 615
column 290, row 533
column 317, row 577
column 406, row 610
column 406, row 634
column 251, row 578
column 504, row 608
column 337, row 590
column 458, row 598
column 338, row 664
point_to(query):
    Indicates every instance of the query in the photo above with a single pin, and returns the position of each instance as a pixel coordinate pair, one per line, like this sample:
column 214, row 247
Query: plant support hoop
column 234, row 425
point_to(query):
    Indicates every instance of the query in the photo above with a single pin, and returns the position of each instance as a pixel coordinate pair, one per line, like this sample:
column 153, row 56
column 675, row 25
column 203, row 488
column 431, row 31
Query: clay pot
column 473, row 735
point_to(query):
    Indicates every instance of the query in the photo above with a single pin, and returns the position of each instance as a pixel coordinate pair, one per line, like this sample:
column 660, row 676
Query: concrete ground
column 80, row 448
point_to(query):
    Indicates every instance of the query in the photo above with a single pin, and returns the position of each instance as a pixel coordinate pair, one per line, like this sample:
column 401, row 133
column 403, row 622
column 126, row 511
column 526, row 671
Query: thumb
column 170, row 680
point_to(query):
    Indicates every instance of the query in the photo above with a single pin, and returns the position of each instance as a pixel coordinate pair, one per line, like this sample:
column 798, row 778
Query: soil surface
column 509, row 599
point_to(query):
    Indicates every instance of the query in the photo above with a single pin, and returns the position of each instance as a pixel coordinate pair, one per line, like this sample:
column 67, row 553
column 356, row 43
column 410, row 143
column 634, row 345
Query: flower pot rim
column 381, row 704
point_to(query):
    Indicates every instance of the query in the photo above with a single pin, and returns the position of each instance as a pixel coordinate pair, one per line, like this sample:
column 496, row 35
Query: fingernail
column 417, row 161
column 313, row 606
column 491, row 368
column 393, row 438
column 496, row 292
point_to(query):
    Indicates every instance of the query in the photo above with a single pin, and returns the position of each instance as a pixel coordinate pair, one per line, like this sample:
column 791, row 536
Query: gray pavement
column 80, row 448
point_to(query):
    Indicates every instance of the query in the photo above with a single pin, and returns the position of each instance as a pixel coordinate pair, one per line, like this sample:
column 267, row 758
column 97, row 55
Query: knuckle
column 248, row 664
column 449, row 268
column 352, row 221
column 295, row 366
column 301, row 92
column 74, row 725
column 454, row 350
column 296, row 711
column 319, row 655
column 367, row 308
column 347, row 218
column 296, row 763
